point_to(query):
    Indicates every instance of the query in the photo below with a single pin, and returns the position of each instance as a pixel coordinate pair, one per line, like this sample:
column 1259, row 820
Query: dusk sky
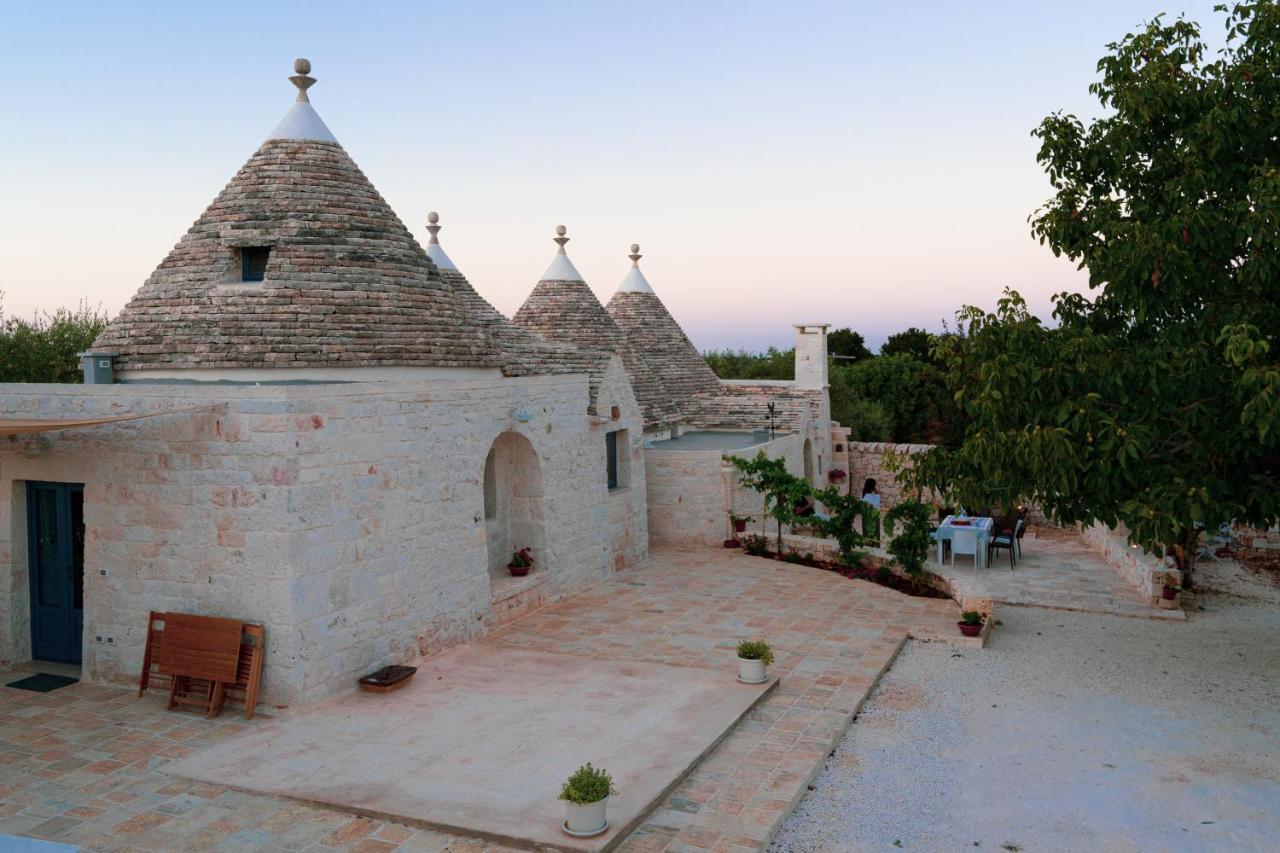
column 861, row 164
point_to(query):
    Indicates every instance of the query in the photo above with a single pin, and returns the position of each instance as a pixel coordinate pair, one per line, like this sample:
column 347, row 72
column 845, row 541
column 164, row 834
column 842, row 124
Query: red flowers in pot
column 521, row 562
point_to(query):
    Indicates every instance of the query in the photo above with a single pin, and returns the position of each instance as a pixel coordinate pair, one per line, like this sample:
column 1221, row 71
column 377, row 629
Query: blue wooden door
column 55, row 523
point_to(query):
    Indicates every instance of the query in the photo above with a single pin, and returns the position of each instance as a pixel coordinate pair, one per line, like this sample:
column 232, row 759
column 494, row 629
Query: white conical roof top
column 434, row 250
column 634, row 281
column 561, row 268
column 302, row 121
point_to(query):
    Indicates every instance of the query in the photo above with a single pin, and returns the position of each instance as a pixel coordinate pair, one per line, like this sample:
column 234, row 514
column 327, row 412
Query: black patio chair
column 1005, row 538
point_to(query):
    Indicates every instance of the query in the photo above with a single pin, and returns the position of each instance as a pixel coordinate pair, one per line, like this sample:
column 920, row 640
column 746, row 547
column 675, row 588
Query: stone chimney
column 811, row 356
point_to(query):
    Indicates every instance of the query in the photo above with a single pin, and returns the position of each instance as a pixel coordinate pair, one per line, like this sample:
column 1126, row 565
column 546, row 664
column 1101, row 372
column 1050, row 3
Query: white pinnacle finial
column 433, row 225
column 635, row 255
column 560, row 238
column 302, row 68
column 434, row 250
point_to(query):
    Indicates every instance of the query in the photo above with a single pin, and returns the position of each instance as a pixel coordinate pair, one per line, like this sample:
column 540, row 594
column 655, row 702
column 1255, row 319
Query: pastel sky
column 862, row 164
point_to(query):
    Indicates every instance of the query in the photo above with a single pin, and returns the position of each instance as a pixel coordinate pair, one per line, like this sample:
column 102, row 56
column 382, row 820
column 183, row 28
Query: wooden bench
column 203, row 691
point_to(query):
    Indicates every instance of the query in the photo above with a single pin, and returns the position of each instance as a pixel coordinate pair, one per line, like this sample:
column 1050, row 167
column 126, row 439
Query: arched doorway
column 512, row 502
column 808, row 462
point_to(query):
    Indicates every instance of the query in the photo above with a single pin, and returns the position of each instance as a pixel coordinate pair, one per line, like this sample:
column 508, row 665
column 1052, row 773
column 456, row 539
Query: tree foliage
column 910, row 544
column 773, row 363
column 1156, row 403
column 780, row 489
column 847, row 345
column 914, row 342
column 46, row 347
column 842, row 510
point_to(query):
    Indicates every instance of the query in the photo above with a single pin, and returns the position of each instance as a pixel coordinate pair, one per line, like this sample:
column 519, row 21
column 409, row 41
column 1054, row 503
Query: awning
column 24, row 426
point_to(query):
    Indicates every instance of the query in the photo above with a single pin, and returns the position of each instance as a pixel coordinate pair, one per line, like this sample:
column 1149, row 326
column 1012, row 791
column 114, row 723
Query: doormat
column 42, row 682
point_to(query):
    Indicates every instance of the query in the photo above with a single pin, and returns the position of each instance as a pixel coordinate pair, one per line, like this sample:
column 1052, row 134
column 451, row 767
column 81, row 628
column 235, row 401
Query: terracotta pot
column 1169, row 593
column 519, row 571
column 739, row 527
column 970, row 630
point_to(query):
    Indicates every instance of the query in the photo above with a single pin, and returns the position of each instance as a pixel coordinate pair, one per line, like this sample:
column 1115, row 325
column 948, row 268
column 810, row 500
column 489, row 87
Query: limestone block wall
column 1258, row 541
column 867, row 459
column 691, row 493
column 186, row 511
column 348, row 519
column 1145, row 572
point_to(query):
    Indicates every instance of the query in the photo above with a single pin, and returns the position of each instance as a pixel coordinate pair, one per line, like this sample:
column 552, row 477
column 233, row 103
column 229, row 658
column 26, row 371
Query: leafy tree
column 1157, row 403
column 867, row 420
column 914, row 342
column 847, row 345
column 910, row 546
column 781, row 489
column 913, row 393
column 842, row 511
column 45, row 348
column 740, row 364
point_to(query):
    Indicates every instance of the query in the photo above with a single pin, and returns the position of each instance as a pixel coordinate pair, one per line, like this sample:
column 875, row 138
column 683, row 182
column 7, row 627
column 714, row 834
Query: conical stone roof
column 345, row 285
column 562, row 308
column 524, row 353
column 651, row 330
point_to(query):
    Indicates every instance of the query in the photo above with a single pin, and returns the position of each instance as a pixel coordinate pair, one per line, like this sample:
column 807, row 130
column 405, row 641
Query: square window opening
column 616, row 459
column 253, row 263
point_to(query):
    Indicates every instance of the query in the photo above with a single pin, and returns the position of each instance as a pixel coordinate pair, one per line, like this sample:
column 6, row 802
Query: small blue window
column 253, row 263
column 611, row 458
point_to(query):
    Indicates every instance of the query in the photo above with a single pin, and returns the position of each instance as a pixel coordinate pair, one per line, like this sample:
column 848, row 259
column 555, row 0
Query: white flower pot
column 585, row 818
column 752, row 671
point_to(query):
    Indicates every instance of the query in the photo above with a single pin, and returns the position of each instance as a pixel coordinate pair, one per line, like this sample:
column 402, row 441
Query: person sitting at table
column 871, row 495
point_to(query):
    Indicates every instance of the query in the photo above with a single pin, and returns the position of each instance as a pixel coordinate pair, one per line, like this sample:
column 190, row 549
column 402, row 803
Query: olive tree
column 1156, row 401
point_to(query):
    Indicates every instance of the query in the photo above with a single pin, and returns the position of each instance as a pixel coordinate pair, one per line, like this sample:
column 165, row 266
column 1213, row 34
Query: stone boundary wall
column 692, row 492
column 1145, row 572
column 1258, row 541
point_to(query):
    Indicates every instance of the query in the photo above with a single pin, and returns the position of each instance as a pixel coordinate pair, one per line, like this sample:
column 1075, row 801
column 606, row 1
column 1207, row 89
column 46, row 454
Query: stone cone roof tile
column 346, row 284
column 525, row 353
column 568, row 311
column 667, row 350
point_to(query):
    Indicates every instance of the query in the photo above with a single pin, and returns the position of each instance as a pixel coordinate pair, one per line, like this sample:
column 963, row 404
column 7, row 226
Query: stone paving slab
column 482, row 739
column 84, row 765
column 1059, row 571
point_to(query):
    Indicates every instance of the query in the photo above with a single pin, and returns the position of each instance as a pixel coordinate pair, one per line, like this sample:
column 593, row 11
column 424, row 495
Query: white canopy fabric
column 25, row 426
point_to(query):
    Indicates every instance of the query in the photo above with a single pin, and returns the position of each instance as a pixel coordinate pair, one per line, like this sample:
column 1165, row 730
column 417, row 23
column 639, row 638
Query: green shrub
column 756, row 650
column 883, row 573
column 755, row 545
column 46, row 347
column 587, row 785
column 911, row 546
column 867, row 420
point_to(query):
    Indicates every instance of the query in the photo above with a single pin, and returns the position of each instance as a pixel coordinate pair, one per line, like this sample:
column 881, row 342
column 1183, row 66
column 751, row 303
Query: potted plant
column 837, row 475
column 754, row 657
column 970, row 623
column 1169, row 593
column 521, row 562
column 739, row 522
column 586, row 796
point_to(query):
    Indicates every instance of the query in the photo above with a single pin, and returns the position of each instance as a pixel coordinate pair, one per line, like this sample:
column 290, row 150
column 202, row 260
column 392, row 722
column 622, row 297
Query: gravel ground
column 1070, row 731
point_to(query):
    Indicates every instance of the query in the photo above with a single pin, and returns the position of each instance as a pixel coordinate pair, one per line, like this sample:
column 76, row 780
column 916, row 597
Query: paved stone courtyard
column 86, row 764
column 1057, row 570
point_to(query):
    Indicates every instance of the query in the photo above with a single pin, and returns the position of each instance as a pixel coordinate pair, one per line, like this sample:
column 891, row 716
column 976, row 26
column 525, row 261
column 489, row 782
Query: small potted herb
column 970, row 623
column 754, row 656
column 586, row 796
column 739, row 522
column 521, row 562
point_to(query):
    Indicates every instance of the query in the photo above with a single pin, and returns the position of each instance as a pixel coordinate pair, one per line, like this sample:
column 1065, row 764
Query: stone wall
column 692, row 493
column 1147, row 573
column 347, row 518
column 1255, row 540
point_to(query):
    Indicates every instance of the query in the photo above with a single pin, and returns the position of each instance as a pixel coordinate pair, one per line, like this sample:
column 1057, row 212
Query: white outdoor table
column 982, row 526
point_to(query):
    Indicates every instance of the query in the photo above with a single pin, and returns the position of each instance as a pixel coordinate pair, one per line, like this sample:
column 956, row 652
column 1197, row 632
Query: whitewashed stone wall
column 1147, row 573
column 692, row 493
column 346, row 518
